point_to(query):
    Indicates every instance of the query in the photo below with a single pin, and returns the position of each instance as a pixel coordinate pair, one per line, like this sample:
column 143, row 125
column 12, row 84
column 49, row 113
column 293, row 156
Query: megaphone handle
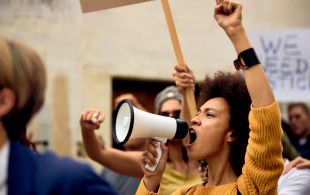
column 159, row 152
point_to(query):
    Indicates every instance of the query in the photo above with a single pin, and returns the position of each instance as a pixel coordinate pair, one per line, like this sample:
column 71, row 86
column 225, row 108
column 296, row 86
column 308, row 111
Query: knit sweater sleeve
column 263, row 159
column 143, row 191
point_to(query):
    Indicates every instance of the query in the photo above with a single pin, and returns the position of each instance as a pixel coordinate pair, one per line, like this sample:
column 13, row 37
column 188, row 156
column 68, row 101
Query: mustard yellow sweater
column 173, row 180
column 263, row 159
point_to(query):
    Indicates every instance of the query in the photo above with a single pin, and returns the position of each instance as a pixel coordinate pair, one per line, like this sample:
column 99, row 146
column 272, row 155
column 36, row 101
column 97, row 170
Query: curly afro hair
column 232, row 87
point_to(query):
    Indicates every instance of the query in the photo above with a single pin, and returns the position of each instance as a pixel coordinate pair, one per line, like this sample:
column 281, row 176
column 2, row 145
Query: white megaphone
column 131, row 123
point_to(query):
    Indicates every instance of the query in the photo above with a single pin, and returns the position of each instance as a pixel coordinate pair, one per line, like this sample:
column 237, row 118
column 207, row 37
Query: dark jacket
column 42, row 174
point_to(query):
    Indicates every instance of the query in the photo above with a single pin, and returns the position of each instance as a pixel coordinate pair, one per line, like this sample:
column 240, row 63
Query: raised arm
column 122, row 162
column 229, row 17
column 264, row 150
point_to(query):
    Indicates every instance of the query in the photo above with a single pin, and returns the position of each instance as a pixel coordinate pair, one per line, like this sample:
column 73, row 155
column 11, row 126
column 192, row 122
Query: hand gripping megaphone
column 131, row 123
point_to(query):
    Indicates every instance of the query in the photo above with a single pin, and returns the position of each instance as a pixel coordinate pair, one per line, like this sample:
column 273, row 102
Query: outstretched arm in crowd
column 299, row 163
column 122, row 162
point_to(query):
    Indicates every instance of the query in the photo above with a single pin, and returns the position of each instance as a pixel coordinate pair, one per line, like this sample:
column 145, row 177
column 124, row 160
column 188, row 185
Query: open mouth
column 192, row 136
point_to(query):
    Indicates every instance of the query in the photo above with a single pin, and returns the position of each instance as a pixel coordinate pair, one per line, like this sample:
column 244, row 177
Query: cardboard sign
column 95, row 5
column 285, row 56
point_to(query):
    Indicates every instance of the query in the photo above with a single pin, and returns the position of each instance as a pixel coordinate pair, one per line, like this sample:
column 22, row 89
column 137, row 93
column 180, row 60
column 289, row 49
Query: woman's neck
column 220, row 172
column 177, row 159
column 3, row 135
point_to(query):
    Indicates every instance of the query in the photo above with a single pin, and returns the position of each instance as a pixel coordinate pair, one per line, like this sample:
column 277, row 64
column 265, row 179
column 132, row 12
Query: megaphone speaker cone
column 123, row 122
column 131, row 123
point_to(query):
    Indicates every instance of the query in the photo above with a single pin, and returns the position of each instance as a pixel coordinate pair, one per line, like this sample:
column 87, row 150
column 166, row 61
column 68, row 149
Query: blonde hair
column 22, row 71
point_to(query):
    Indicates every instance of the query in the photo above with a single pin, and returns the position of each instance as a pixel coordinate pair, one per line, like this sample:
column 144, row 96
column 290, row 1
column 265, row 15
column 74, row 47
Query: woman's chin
column 193, row 156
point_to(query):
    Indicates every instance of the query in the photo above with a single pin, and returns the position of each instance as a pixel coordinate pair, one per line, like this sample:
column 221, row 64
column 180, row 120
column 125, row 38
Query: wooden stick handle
column 173, row 33
column 191, row 103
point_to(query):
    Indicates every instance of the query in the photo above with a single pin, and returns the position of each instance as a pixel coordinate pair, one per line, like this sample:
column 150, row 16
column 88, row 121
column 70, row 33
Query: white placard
column 285, row 56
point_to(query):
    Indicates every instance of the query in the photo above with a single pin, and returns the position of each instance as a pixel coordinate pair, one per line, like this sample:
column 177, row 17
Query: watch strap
column 249, row 58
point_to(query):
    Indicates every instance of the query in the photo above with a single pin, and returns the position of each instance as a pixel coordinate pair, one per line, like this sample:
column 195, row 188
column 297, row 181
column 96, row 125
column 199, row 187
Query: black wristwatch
column 249, row 58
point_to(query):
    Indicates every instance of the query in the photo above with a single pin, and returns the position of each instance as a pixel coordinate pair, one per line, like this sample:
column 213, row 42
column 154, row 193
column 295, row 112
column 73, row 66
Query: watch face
column 248, row 57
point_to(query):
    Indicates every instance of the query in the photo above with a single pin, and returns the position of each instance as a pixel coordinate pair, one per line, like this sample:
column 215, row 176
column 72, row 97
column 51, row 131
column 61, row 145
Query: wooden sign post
column 96, row 5
column 189, row 99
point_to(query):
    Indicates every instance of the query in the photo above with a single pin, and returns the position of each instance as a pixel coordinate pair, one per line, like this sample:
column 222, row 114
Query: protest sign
column 96, row 5
column 285, row 57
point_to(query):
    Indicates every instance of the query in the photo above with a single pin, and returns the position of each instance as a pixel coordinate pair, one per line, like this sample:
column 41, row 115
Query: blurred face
column 299, row 121
column 170, row 108
column 210, row 130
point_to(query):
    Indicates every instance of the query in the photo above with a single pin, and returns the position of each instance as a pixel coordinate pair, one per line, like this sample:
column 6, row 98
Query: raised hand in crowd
column 299, row 163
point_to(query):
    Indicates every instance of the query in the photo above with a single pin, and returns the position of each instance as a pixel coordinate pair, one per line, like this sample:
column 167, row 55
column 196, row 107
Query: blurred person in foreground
column 23, row 171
